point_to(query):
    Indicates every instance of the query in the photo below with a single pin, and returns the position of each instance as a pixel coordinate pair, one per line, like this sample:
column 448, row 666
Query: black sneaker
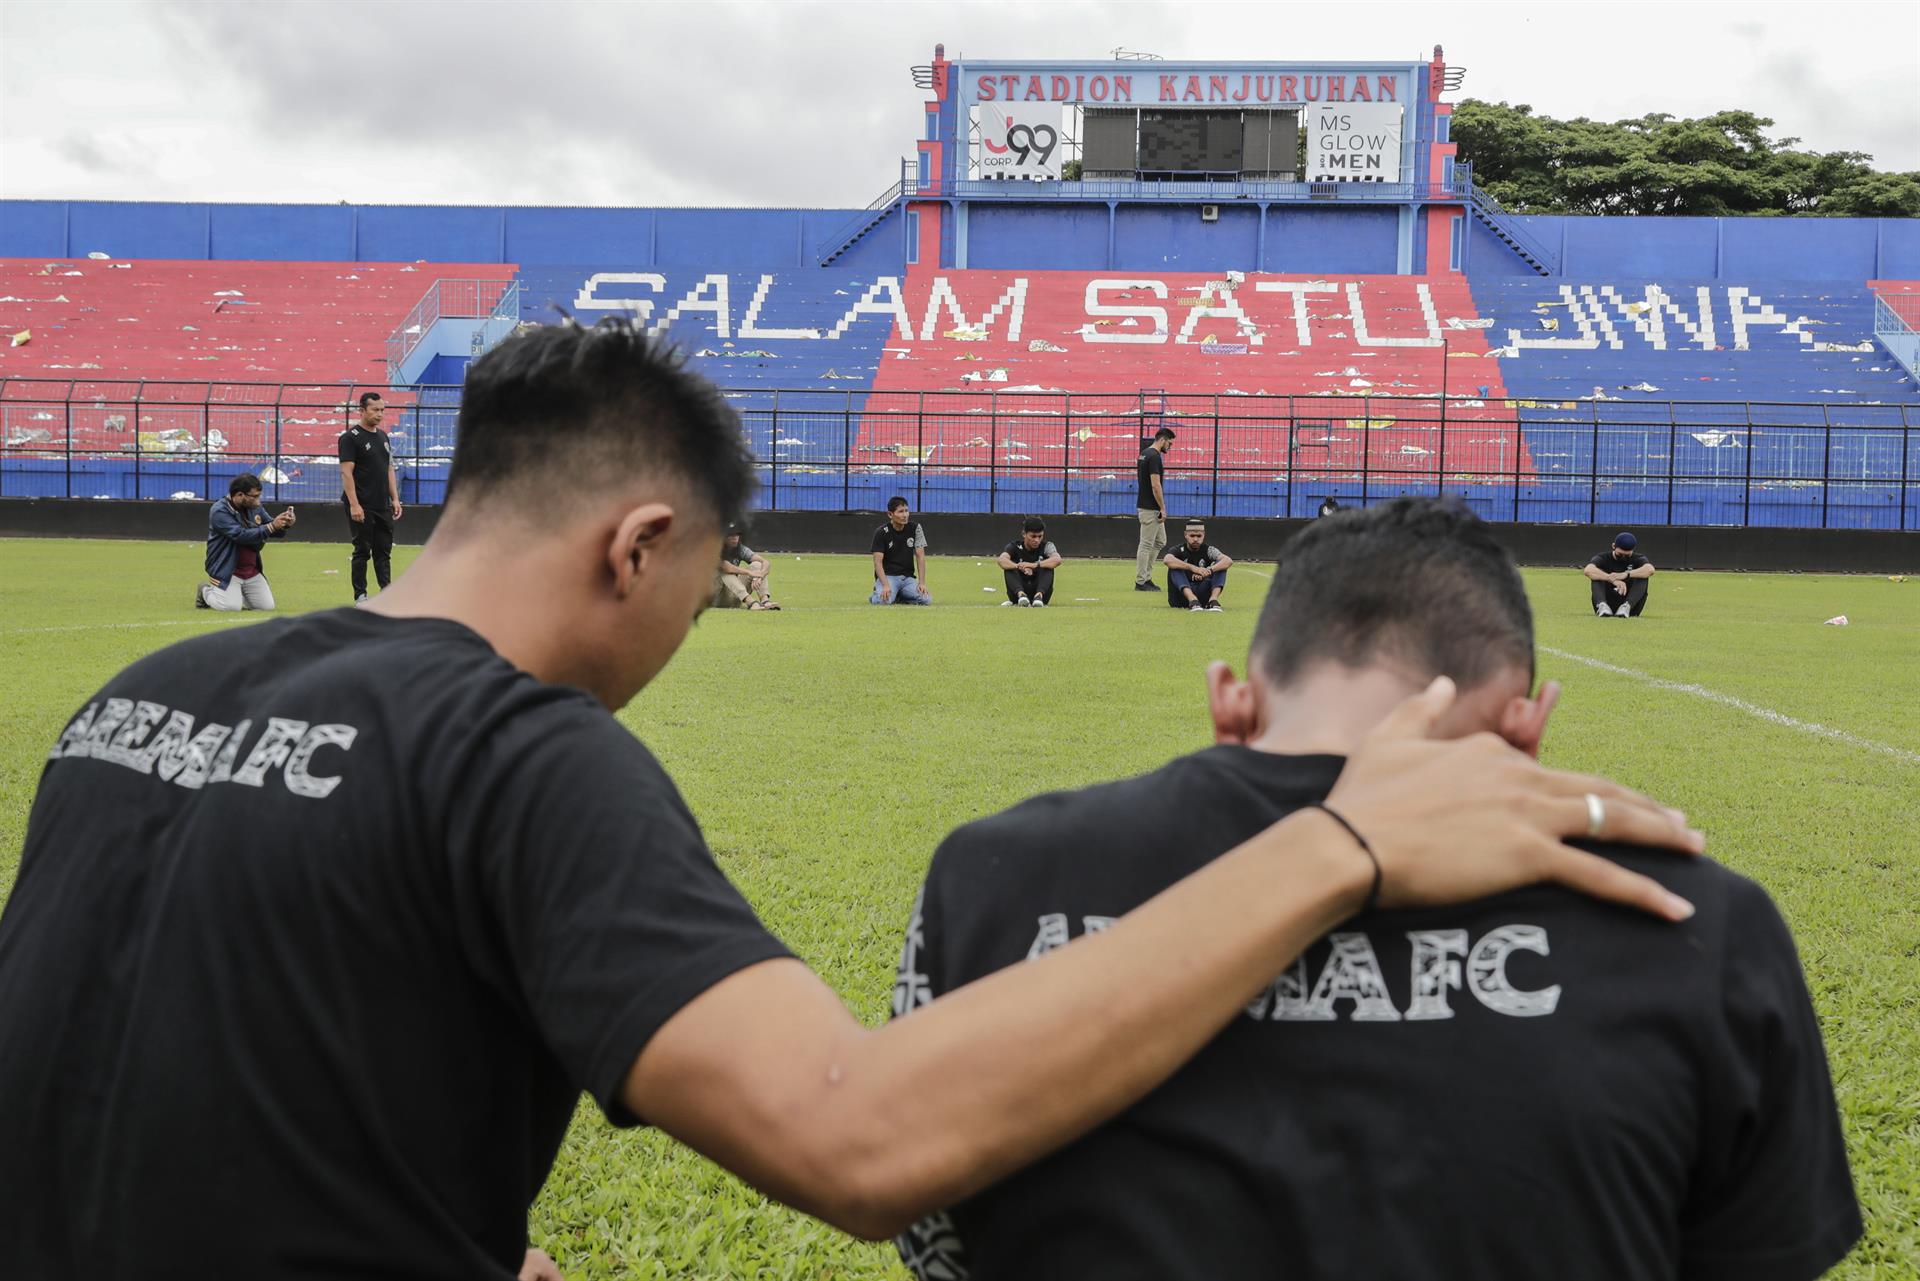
column 1148, row 586
column 200, row 599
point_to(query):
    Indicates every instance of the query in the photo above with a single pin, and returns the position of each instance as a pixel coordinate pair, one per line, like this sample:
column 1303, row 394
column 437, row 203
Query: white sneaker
column 1196, row 608
column 1006, row 604
column 1601, row 611
column 1023, row 601
column 1038, row 603
column 1214, row 608
column 357, row 599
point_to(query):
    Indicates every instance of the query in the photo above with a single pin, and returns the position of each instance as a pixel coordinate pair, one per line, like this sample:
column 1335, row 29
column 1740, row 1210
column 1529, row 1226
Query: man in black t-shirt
column 1150, row 499
column 370, row 493
column 900, row 559
column 1619, row 579
column 1197, row 572
column 1526, row 1086
column 1027, row 564
column 321, row 926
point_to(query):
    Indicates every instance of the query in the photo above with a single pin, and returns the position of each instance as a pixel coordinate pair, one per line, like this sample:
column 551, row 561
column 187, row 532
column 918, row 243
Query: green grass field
column 868, row 733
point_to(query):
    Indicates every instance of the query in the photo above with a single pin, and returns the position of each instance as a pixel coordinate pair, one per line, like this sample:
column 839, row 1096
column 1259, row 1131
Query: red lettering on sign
column 1289, row 89
column 986, row 89
column 1079, row 88
column 1059, row 86
column 1337, row 88
column 1097, row 89
column 1312, row 86
column 1389, row 91
column 1216, row 88
column 1123, row 88
column 1360, row 93
column 1192, row 93
column 1263, row 88
column 1246, row 87
column 1034, row 92
column 1167, row 91
column 1011, row 84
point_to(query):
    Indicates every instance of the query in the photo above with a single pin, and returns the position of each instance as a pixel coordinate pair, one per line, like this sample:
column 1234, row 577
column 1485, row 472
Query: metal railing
column 1896, row 324
column 1514, row 459
column 462, row 299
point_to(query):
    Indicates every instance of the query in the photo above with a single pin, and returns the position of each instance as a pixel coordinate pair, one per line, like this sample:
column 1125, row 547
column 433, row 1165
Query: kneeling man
column 236, row 530
column 1196, row 571
column 1027, row 564
column 1531, row 1085
column 1619, row 576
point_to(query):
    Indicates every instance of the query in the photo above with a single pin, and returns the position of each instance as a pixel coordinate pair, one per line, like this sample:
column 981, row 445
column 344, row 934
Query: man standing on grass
column 1197, row 572
column 236, row 530
column 370, row 492
column 1530, row 1085
column 354, row 1049
column 1150, row 499
column 1027, row 564
column 1619, row 579
column 742, row 576
column 900, row 559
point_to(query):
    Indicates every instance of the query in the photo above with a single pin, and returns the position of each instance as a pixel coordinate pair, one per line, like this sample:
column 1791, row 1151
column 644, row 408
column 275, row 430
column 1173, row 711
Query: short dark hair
column 1421, row 580
column 367, row 396
column 1165, row 433
column 1034, row 525
column 245, row 483
column 895, row 503
column 569, row 404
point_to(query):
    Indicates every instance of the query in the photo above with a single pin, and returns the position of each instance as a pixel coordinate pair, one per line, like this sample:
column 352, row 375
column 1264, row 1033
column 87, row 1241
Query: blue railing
column 1651, row 462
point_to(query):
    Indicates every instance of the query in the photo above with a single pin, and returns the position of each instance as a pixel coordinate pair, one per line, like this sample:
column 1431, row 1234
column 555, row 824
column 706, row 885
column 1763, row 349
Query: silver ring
column 1596, row 816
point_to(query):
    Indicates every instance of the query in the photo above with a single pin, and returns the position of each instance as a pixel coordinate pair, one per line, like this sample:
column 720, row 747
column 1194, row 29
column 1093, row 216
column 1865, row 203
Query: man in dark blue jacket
column 236, row 530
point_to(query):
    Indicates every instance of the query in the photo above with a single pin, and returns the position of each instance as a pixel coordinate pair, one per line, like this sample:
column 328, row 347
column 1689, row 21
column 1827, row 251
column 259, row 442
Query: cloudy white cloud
column 792, row 103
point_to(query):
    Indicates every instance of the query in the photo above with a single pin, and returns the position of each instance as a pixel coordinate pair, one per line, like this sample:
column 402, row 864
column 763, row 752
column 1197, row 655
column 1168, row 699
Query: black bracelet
column 1373, row 895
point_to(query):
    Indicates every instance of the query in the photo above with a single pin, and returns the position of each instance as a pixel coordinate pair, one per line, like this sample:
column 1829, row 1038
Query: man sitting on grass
column 1196, row 571
column 236, row 531
column 1531, row 1085
column 743, row 576
column 1027, row 564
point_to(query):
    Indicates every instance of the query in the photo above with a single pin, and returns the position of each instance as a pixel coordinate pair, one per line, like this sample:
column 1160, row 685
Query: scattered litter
column 1414, row 449
column 986, row 589
column 58, row 298
column 1041, row 344
column 704, row 351
column 11, row 298
column 1548, row 323
column 1349, row 372
column 1455, row 322
column 228, row 293
column 1463, row 355
column 1236, row 277
column 968, row 333
column 1211, row 348
column 96, row 254
column 1896, row 578
column 836, row 376
column 1086, row 600
column 1643, row 386
column 1841, row 346
column 183, row 493
column 22, row 338
column 1838, row 620
column 329, row 571
column 73, row 273
column 1358, row 382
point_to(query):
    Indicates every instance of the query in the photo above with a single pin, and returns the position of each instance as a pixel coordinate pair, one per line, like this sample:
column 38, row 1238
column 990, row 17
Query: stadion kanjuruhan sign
column 1185, row 84
column 1018, row 140
column 1354, row 143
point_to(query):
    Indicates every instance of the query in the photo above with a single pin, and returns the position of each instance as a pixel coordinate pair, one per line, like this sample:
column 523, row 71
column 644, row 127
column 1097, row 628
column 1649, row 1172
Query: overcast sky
column 797, row 103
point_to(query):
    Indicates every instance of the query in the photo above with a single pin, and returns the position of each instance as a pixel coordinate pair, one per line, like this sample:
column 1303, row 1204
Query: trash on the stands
column 22, row 338
column 1838, row 620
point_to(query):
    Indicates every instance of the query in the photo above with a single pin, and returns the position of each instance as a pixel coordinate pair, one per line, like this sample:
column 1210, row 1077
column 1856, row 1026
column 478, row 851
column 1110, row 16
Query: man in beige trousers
column 1151, row 500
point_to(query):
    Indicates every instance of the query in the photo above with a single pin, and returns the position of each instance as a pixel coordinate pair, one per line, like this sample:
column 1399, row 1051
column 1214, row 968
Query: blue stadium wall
column 1061, row 237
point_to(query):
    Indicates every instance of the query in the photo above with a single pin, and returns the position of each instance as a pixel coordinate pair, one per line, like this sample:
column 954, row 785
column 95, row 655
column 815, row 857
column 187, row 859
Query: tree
column 1719, row 164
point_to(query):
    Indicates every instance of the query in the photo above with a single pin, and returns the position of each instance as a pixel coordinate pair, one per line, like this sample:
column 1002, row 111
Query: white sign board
column 1353, row 142
column 1019, row 140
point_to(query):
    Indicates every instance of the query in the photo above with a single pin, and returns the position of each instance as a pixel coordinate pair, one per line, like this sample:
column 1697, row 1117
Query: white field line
column 1766, row 714
column 101, row 627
